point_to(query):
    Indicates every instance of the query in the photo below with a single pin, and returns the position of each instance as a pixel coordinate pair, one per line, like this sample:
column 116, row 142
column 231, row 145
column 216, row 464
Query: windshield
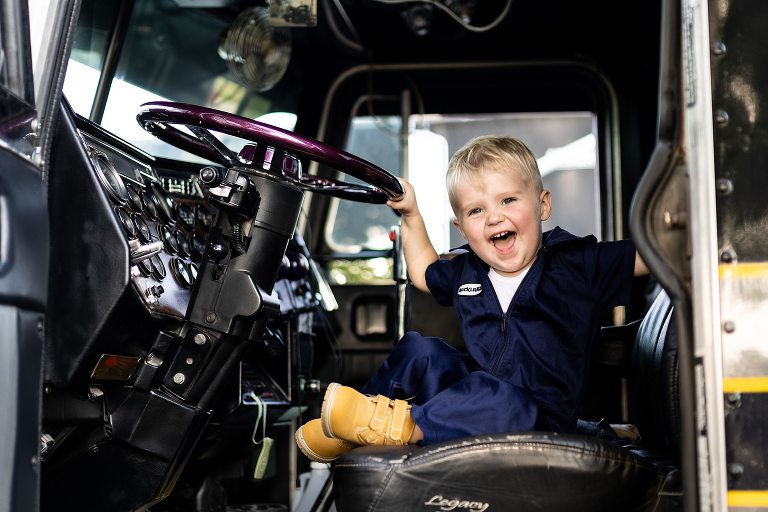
column 171, row 52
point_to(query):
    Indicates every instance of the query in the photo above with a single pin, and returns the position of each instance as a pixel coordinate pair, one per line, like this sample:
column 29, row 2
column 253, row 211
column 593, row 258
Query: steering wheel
column 159, row 118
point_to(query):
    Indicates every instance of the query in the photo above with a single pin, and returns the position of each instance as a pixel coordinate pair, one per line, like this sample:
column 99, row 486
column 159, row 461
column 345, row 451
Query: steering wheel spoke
column 360, row 193
column 207, row 137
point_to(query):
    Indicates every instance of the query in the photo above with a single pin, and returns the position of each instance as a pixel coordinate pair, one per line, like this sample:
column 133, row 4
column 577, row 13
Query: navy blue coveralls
column 526, row 368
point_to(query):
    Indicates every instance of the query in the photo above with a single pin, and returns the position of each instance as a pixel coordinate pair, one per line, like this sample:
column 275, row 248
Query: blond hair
column 492, row 152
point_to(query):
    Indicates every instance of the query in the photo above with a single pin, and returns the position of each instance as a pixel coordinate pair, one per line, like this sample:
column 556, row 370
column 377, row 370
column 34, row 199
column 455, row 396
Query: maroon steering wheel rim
column 158, row 118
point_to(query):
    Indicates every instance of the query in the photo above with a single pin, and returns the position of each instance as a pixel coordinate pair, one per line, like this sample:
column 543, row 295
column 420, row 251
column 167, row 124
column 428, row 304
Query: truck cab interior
column 192, row 192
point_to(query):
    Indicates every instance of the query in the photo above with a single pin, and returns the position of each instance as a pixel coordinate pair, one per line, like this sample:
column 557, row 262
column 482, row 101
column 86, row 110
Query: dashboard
column 131, row 249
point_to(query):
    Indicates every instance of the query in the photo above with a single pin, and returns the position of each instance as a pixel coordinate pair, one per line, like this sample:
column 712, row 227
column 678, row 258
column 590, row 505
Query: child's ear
column 546, row 204
column 458, row 226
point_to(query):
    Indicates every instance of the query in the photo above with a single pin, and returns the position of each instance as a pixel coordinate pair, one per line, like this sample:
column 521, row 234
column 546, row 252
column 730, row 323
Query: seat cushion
column 499, row 472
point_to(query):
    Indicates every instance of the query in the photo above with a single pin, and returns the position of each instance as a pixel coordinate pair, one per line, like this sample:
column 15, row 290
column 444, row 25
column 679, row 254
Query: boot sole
column 306, row 450
column 330, row 395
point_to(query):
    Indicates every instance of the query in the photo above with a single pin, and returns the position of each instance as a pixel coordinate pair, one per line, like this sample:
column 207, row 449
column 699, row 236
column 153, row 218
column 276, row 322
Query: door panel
column 23, row 283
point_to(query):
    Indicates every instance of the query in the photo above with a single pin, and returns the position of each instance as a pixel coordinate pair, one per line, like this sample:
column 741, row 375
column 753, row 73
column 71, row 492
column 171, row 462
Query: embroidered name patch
column 470, row 289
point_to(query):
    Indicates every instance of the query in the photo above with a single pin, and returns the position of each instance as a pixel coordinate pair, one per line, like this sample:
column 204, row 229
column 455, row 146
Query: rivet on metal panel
column 725, row 186
column 727, row 256
column 733, row 399
column 210, row 317
column 735, row 469
column 721, row 118
column 719, row 48
column 179, row 378
column 201, row 338
column 729, row 326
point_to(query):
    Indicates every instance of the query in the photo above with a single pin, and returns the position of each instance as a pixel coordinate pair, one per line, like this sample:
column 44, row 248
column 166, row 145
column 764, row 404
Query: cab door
column 23, row 265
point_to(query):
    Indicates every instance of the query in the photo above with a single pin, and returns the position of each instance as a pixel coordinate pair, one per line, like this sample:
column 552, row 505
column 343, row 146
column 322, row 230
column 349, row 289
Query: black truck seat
column 540, row 471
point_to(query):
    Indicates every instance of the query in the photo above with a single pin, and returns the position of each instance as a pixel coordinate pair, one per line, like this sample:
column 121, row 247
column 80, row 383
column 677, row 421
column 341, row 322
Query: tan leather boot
column 317, row 446
column 366, row 420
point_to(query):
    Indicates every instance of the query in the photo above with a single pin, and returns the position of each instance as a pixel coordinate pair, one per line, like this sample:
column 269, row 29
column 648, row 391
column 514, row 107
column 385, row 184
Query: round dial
column 109, row 178
column 186, row 216
column 181, row 272
column 158, row 269
column 145, row 235
column 169, row 239
column 184, row 249
column 203, row 217
column 145, row 267
column 134, row 197
column 150, row 207
column 126, row 220
column 197, row 246
column 163, row 202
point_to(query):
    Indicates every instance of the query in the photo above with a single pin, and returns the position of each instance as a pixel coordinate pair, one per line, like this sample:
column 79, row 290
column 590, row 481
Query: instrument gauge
column 134, row 198
column 203, row 217
column 158, row 269
column 145, row 267
column 150, row 207
column 163, row 202
column 109, row 177
column 197, row 247
column 184, row 249
column 126, row 220
column 186, row 216
column 145, row 235
column 169, row 239
column 181, row 272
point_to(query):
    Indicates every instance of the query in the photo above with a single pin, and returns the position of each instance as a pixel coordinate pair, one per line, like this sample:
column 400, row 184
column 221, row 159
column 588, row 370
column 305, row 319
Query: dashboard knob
column 218, row 251
column 210, row 176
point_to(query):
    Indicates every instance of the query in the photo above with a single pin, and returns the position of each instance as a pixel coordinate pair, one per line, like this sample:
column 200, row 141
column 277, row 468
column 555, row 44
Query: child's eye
column 508, row 200
column 473, row 211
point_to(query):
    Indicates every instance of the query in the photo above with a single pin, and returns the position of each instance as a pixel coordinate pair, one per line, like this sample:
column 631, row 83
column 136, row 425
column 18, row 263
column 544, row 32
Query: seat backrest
column 653, row 379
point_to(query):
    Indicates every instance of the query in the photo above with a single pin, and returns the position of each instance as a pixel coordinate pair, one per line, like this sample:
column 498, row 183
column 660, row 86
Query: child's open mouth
column 504, row 241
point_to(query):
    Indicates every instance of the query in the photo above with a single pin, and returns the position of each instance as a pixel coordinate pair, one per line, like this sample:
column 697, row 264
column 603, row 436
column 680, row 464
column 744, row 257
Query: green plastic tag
column 261, row 463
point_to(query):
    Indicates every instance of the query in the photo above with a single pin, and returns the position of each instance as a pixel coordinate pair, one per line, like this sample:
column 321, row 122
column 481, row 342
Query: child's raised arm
column 417, row 249
column 640, row 268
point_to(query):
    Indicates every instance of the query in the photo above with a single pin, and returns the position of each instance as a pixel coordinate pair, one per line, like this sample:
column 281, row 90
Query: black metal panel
column 747, row 434
column 739, row 91
column 89, row 269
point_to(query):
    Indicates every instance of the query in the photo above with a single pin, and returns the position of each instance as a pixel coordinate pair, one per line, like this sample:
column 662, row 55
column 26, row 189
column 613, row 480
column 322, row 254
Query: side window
column 360, row 226
column 89, row 52
column 564, row 144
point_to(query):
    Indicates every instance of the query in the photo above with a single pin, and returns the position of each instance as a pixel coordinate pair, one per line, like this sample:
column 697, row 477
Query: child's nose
column 494, row 216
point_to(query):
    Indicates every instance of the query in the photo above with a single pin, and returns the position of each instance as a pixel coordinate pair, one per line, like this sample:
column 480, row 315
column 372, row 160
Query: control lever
column 141, row 251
